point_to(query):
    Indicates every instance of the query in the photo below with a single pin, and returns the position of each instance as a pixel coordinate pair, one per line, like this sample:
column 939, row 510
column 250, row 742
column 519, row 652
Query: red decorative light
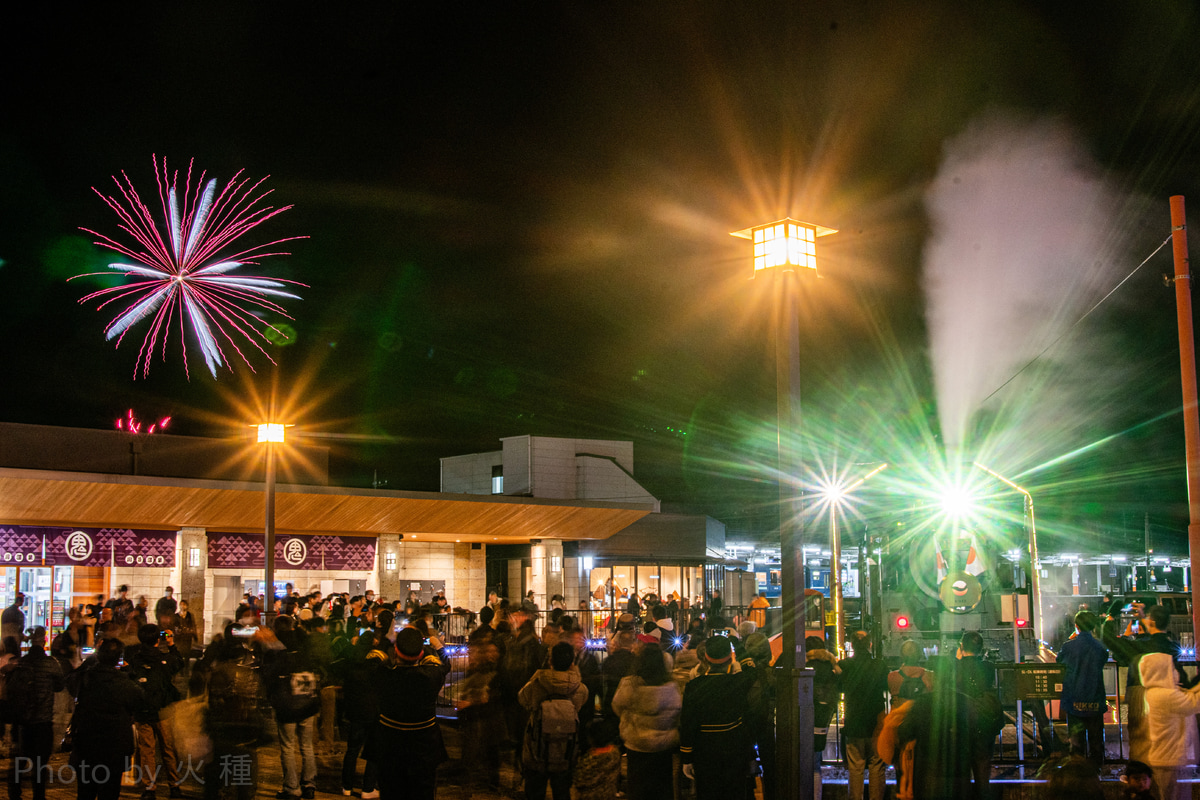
column 1022, row 623
column 902, row 622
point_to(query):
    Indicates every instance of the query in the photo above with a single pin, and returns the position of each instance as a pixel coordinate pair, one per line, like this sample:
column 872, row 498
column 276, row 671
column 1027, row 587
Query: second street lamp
column 270, row 434
column 834, row 495
column 787, row 249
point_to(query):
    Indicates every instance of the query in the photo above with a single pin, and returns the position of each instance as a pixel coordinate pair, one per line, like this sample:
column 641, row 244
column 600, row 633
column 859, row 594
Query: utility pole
column 1187, row 372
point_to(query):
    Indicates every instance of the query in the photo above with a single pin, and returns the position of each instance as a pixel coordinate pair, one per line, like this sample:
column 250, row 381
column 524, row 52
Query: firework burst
column 182, row 278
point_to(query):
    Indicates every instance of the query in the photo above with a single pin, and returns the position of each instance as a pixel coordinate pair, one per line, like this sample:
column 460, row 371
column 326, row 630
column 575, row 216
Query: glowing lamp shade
column 787, row 243
column 270, row 432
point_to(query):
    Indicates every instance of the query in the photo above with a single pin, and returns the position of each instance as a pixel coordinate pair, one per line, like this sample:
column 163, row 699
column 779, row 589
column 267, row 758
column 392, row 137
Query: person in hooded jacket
column 648, row 704
column 1084, row 696
column 1127, row 650
column 1171, row 731
column 102, row 724
column 560, row 681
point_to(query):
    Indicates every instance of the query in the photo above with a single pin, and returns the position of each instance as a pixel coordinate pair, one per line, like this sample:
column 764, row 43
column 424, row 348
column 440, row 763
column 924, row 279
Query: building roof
column 51, row 498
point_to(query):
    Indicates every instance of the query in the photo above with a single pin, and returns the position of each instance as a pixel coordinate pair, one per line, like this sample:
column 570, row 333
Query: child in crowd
column 1138, row 779
column 599, row 767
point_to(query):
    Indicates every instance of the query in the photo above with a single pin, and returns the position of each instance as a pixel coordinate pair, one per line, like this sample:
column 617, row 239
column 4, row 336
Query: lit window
column 498, row 479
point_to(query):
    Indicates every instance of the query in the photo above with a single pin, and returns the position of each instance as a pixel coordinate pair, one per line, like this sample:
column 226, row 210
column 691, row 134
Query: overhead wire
column 1063, row 335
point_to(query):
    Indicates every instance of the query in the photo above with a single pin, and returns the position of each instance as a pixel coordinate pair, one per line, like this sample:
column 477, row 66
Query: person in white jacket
column 648, row 703
column 1169, row 712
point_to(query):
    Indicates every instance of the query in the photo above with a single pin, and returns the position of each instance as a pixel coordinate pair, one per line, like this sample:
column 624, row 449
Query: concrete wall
column 600, row 478
column 470, row 474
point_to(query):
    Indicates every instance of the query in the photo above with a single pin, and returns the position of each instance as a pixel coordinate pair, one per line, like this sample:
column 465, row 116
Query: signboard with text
column 27, row 545
column 299, row 551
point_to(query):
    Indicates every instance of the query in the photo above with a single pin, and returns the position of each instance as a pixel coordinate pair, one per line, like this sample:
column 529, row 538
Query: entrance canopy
column 40, row 497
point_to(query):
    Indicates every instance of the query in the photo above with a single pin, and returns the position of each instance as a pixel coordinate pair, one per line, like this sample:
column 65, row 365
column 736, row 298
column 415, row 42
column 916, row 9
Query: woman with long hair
column 648, row 703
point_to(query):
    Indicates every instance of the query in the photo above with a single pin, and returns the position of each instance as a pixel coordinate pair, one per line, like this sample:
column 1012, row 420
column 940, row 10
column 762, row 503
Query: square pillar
column 546, row 562
column 387, row 552
column 193, row 566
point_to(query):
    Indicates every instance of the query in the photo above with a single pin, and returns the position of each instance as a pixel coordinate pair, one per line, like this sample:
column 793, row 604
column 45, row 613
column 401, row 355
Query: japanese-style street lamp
column 787, row 250
column 270, row 434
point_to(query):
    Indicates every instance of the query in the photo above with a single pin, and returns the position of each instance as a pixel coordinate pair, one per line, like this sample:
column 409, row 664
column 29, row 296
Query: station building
column 83, row 511
column 670, row 554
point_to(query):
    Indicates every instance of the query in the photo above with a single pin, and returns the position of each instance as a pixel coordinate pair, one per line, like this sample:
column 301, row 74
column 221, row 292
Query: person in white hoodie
column 648, row 703
column 1169, row 712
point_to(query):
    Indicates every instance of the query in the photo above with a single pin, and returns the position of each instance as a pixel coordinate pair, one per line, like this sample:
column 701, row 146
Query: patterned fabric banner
column 86, row 547
column 245, row 550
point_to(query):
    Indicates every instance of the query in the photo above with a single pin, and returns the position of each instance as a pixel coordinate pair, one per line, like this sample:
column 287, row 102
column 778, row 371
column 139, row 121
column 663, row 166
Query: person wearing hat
column 715, row 743
column 407, row 742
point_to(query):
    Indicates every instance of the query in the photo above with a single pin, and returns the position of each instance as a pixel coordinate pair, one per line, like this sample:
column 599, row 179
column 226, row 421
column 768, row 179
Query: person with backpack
column 152, row 665
column 553, row 698
column 911, row 680
column 294, row 691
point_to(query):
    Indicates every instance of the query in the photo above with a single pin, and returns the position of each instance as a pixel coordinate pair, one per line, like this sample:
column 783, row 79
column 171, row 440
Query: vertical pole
column 1146, row 534
column 795, row 702
column 269, row 543
column 1187, row 371
column 835, row 550
column 1016, row 612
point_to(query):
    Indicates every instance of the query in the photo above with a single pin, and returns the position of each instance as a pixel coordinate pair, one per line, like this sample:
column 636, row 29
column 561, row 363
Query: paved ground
column 1012, row 781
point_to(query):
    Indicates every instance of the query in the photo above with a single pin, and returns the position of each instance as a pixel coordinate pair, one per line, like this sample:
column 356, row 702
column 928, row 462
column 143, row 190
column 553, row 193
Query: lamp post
column 270, row 434
column 834, row 494
column 1035, row 567
column 787, row 249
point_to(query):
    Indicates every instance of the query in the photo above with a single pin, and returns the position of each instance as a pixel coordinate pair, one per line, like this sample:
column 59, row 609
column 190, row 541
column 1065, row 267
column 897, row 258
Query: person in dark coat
column 826, row 677
column 360, row 710
column 714, row 740
column 1084, row 696
column 234, row 721
column 102, row 726
column 31, row 688
column 407, row 724
column 153, row 665
column 975, row 679
column 864, row 683
column 479, row 712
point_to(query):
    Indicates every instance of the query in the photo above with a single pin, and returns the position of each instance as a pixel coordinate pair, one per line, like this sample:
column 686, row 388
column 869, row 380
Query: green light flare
column 1096, row 444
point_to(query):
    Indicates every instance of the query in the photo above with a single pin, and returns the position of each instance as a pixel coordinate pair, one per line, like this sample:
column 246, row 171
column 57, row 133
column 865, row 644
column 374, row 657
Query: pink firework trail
column 179, row 279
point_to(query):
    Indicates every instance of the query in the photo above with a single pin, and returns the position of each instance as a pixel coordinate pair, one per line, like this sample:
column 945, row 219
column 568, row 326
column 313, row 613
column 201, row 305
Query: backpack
column 296, row 694
column 552, row 738
column 911, row 687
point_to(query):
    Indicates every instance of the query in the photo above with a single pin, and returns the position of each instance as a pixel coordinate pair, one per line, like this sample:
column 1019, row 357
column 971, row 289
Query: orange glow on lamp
column 786, row 243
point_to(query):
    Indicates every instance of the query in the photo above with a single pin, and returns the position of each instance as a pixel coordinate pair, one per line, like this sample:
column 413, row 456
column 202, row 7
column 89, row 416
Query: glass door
column 47, row 593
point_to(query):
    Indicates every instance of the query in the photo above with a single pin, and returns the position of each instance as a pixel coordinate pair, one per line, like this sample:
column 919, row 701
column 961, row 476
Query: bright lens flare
column 957, row 502
column 181, row 279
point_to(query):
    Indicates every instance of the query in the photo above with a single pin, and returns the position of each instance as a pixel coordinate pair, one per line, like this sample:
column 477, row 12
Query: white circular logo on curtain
column 78, row 546
column 294, row 552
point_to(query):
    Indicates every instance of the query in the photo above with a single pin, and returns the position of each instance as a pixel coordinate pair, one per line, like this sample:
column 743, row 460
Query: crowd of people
column 691, row 711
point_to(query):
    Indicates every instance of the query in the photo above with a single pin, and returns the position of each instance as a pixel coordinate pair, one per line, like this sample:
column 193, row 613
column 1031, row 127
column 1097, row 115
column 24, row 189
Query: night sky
column 519, row 216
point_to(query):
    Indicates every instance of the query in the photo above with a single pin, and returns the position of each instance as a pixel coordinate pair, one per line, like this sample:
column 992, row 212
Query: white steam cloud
column 1021, row 246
